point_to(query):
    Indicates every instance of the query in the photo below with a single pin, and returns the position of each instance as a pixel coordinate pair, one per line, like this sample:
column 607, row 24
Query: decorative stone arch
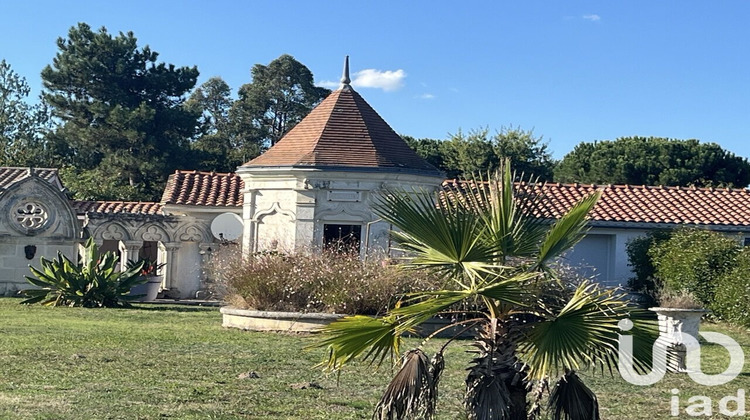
column 279, row 233
column 36, row 220
column 344, row 213
column 111, row 231
column 35, row 207
column 275, row 208
column 193, row 232
column 154, row 232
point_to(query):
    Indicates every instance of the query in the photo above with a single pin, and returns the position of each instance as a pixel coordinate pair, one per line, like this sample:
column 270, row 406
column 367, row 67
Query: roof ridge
column 197, row 172
column 26, row 168
column 325, row 123
column 611, row 186
column 116, row 201
column 679, row 187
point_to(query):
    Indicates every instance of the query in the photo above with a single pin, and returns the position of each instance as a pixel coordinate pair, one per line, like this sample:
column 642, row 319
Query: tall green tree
column 279, row 96
column 219, row 147
column 22, row 125
column 464, row 154
column 467, row 154
column 527, row 153
column 653, row 161
column 498, row 263
column 120, row 114
column 430, row 150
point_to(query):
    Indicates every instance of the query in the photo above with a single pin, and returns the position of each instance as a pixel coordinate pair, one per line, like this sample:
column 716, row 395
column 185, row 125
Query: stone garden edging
column 246, row 319
column 303, row 322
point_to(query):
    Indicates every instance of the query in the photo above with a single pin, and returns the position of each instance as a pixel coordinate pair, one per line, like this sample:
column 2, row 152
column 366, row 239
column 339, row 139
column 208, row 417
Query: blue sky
column 570, row 70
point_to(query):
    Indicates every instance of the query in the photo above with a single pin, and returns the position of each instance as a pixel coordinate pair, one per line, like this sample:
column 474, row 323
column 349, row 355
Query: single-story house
column 314, row 186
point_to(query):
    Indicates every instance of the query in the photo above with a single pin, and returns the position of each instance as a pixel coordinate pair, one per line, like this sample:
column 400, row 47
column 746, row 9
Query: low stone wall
column 275, row 321
column 310, row 322
column 14, row 262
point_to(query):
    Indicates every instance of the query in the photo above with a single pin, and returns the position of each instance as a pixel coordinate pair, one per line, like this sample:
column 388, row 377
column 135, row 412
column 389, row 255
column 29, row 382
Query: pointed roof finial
column 345, row 80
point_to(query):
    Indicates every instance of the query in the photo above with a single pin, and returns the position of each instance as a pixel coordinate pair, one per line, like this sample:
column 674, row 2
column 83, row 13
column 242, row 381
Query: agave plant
column 94, row 282
column 497, row 252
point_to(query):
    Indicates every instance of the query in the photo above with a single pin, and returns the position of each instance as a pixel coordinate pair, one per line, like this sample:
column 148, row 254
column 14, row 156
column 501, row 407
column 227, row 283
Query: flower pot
column 150, row 289
column 674, row 323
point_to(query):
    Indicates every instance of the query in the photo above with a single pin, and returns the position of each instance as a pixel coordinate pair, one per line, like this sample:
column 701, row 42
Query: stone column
column 129, row 250
column 304, row 229
column 205, row 250
column 249, row 244
column 170, row 270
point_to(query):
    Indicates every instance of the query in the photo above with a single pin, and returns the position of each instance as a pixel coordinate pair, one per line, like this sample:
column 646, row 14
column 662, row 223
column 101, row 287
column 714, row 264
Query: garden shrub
column 732, row 299
column 640, row 260
column 319, row 282
column 694, row 260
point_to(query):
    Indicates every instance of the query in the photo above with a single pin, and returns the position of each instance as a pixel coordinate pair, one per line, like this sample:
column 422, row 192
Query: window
column 343, row 238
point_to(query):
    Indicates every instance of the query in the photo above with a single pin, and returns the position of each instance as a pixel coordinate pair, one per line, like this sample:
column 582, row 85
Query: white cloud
column 330, row 84
column 426, row 96
column 388, row 80
column 592, row 18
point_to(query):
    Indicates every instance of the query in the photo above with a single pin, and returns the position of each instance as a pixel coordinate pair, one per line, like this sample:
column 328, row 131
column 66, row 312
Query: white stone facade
column 181, row 242
column 36, row 220
column 286, row 209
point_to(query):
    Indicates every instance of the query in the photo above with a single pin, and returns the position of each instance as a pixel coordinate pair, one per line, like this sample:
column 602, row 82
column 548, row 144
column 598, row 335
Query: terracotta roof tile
column 647, row 204
column 11, row 175
column 132, row 207
column 343, row 131
column 196, row 188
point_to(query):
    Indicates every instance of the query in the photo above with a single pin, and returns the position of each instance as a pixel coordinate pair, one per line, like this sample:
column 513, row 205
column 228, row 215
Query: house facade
column 314, row 188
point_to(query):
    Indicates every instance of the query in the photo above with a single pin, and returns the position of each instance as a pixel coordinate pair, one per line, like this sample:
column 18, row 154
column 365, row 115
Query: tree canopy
column 653, row 161
column 22, row 125
column 120, row 114
column 463, row 155
column 280, row 95
column 220, row 146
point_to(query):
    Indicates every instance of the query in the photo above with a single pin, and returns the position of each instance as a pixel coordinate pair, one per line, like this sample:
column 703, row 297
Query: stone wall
column 36, row 220
column 286, row 209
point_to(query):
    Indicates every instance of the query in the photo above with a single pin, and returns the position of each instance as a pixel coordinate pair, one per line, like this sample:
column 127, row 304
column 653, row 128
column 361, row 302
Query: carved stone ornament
column 191, row 234
column 31, row 216
column 153, row 234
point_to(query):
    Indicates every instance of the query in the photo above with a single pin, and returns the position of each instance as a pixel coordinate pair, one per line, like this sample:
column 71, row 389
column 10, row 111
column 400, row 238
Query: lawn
column 156, row 362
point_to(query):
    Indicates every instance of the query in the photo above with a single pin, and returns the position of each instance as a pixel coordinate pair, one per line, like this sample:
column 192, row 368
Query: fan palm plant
column 497, row 252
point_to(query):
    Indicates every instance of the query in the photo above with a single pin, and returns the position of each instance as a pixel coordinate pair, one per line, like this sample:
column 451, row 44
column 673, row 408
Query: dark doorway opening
column 342, row 238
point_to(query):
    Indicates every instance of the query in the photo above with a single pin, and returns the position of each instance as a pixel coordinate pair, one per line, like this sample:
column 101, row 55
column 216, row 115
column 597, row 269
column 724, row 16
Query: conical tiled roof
column 343, row 131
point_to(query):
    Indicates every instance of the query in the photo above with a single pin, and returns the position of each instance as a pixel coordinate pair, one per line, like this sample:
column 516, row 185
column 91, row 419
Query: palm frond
column 447, row 237
column 571, row 399
column 567, row 231
column 512, row 290
column 584, row 333
column 508, row 207
column 423, row 306
column 353, row 336
column 413, row 391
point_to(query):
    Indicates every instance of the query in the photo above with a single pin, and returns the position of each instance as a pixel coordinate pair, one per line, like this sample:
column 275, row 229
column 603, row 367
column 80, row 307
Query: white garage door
column 592, row 257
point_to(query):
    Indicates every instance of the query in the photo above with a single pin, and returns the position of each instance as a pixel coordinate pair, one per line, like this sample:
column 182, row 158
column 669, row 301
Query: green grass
column 157, row 362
